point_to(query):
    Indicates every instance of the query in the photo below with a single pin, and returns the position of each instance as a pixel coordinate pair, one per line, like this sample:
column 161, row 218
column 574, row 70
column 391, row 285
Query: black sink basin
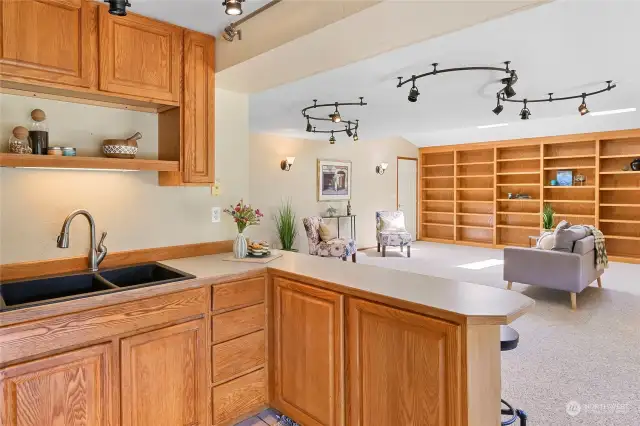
column 151, row 273
column 23, row 293
column 46, row 289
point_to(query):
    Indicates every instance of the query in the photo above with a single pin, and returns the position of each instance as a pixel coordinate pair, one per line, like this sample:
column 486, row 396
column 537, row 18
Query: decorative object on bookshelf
column 523, row 197
column 626, row 168
column 635, row 165
column 554, row 182
column 580, row 179
column 547, row 217
column 565, row 177
column 510, row 195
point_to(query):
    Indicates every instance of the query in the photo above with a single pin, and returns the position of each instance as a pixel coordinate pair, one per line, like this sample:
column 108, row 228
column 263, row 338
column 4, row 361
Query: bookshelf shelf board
column 618, row 205
column 437, row 201
column 571, row 201
column 619, row 172
column 475, row 189
column 506, row 160
column 437, row 240
column 567, row 157
column 437, row 224
column 437, row 177
column 436, row 212
column 622, row 237
column 474, row 176
column 475, row 163
column 518, row 184
column 474, row 227
column 475, row 201
column 621, row 156
column 570, row 168
column 437, row 165
column 585, row 216
column 522, row 213
column 620, row 221
column 474, row 214
column 504, row 244
column 621, row 188
column 438, row 189
column 528, row 200
column 533, row 228
column 474, row 242
column 518, row 173
column 569, row 187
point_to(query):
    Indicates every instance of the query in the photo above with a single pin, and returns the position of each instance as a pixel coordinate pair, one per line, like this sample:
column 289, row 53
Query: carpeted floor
column 591, row 356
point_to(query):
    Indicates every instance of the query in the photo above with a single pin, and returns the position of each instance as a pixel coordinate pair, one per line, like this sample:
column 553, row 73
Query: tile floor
column 267, row 417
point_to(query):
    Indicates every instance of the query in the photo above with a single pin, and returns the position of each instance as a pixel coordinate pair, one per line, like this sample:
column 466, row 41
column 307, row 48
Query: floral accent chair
column 336, row 247
column 391, row 231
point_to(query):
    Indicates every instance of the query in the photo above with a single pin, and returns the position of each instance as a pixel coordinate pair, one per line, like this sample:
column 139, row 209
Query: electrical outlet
column 215, row 214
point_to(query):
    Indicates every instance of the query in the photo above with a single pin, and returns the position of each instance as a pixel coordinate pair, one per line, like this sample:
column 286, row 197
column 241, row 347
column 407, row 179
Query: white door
column 407, row 181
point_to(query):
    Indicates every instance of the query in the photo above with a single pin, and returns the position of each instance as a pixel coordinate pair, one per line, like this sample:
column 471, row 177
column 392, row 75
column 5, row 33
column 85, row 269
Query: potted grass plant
column 547, row 217
column 286, row 226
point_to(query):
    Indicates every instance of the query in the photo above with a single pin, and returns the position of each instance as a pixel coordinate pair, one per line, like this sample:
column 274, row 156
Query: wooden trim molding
column 16, row 271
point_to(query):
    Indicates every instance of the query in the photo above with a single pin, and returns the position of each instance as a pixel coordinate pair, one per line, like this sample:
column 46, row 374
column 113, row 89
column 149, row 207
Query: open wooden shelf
column 475, row 163
column 474, row 176
column 474, row 189
column 474, row 214
column 618, row 205
column 569, row 167
column 518, row 184
column 438, row 189
column 437, row 165
column 89, row 163
column 621, row 188
column 504, row 160
column 621, row 156
column 535, row 228
column 531, row 172
column 584, row 216
column 622, row 237
column 474, row 226
column 529, row 200
column 568, row 157
column 521, row 213
column 569, row 187
column 619, row 172
column 620, row 221
column 437, row 177
column 435, row 212
column 475, row 201
column 437, row 224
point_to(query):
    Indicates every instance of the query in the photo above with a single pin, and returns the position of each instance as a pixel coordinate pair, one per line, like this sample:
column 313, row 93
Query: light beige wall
column 370, row 192
column 135, row 211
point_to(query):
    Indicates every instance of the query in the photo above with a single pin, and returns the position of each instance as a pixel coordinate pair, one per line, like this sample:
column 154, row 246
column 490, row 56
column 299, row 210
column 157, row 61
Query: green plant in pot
column 286, row 226
column 547, row 217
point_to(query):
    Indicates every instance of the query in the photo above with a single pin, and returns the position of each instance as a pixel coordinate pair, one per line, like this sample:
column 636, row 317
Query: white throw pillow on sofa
column 388, row 224
column 546, row 241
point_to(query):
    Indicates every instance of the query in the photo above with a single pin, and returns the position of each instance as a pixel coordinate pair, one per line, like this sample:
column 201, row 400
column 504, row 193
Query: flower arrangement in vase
column 243, row 215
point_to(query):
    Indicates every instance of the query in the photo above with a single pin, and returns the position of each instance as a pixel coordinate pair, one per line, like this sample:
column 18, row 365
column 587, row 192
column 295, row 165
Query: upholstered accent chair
column 391, row 231
column 336, row 247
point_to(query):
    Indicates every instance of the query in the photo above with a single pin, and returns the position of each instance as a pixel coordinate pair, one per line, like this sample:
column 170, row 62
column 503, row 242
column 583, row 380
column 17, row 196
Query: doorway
column 407, row 192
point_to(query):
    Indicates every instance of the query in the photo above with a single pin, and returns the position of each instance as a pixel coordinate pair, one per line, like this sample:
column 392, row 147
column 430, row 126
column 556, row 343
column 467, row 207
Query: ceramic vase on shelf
column 240, row 246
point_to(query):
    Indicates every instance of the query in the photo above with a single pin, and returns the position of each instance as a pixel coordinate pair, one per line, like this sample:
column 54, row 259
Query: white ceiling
column 565, row 47
column 206, row 16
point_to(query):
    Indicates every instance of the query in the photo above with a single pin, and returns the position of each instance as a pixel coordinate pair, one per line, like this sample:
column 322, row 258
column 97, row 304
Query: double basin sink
column 26, row 293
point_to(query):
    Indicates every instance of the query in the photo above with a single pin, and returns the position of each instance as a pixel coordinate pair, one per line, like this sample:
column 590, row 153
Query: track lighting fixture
column 498, row 109
column 332, row 139
column 118, row 7
column 335, row 117
column 525, row 113
column 233, row 7
column 413, row 92
column 355, row 136
column 508, row 91
column 350, row 128
column 582, row 109
column 230, row 33
column 309, row 129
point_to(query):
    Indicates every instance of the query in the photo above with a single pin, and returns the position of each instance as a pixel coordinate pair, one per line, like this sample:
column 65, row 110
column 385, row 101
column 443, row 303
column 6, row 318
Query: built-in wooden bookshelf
column 465, row 190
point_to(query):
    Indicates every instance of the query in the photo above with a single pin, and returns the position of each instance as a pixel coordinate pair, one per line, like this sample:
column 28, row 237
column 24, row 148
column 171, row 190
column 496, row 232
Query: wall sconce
column 286, row 164
column 381, row 168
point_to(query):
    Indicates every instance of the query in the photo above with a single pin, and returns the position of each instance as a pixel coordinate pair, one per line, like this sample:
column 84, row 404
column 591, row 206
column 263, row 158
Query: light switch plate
column 215, row 214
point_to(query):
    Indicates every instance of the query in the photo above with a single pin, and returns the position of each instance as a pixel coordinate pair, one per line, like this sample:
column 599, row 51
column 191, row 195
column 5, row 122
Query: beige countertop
column 479, row 303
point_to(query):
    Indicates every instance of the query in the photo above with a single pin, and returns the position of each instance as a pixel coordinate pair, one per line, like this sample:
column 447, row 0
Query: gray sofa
column 571, row 272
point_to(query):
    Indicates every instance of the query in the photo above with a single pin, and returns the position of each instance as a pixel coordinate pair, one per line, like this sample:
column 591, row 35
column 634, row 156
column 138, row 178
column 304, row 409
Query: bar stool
column 509, row 339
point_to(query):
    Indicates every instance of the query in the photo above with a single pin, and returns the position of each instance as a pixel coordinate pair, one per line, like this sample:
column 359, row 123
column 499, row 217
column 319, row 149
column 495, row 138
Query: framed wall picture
column 565, row 177
column 334, row 180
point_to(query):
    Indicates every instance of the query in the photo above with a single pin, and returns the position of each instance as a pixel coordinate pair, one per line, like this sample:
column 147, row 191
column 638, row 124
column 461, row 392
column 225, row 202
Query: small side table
column 352, row 219
column 533, row 238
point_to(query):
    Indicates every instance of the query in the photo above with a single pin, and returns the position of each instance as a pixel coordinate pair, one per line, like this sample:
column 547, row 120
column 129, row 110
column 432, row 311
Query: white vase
column 240, row 246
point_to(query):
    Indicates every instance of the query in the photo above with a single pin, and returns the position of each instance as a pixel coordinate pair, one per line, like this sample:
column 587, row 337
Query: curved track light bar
column 442, row 71
column 610, row 86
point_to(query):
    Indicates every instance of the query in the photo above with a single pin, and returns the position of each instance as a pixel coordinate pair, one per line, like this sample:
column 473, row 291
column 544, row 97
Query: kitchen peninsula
column 327, row 343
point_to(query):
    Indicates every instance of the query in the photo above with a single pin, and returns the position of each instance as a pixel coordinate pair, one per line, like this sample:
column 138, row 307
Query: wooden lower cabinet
column 163, row 377
column 308, row 364
column 239, row 397
column 403, row 368
column 69, row 389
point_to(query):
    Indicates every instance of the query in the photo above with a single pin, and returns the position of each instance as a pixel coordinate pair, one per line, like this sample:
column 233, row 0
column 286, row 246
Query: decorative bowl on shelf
column 121, row 148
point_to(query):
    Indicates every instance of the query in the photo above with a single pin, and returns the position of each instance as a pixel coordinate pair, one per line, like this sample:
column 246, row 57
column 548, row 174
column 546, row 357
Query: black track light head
column 508, row 91
column 118, row 7
column 335, row 117
column 348, row 131
column 332, row 139
column 355, row 136
column 582, row 109
column 413, row 94
column 525, row 113
column 233, row 7
column 498, row 109
column 309, row 128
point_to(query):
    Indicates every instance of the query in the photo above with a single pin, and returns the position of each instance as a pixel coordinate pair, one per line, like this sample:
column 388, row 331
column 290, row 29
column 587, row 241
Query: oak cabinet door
column 163, row 377
column 49, row 41
column 198, row 108
column 309, row 353
column 140, row 56
column 70, row 389
column 404, row 368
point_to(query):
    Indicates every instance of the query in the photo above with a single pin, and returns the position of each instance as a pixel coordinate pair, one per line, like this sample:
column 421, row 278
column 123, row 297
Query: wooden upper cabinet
column 404, row 368
column 140, row 57
column 73, row 388
column 51, row 41
column 163, row 377
column 198, row 108
column 308, row 366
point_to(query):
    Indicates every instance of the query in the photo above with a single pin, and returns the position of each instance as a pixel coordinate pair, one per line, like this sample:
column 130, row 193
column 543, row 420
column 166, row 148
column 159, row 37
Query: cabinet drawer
column 238, row 293
column 239, row 397
column 237, row 356
column 236, row 323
